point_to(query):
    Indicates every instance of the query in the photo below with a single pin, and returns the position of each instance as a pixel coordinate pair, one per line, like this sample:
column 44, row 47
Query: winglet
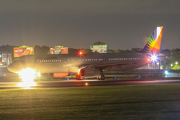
column 154, row 42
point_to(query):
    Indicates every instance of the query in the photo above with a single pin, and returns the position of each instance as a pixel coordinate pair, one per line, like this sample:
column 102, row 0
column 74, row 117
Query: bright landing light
column 153, row 58
column 27, row 76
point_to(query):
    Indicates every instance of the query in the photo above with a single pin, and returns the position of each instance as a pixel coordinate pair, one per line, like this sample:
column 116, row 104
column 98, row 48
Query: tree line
column 45, row 50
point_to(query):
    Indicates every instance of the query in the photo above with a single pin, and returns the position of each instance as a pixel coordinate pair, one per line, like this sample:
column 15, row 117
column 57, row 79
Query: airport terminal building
column 5, row 58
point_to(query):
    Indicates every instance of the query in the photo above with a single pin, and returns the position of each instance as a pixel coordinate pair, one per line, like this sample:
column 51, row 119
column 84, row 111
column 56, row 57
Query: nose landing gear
column 79, row 77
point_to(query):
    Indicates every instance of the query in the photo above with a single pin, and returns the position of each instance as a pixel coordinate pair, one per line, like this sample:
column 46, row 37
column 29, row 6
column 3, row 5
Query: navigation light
column 80, row 53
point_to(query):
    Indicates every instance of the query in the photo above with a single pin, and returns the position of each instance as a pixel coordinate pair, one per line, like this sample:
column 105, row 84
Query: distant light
column 148, row 59
column 161, row 67
column 67, row 78
column 114, row 77
column 176, row 63
column 157, row 63
column 86, row 84
column 166, row 72
column 153, row 58
column 171, row 65
column 4, row 75
column 0, row 56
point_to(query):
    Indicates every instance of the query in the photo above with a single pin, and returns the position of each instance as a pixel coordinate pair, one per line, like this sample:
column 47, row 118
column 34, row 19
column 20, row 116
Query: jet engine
column 89, row 71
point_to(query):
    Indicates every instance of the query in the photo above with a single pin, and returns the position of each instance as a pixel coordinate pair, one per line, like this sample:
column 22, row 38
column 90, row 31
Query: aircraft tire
column 102, row 77
column 77, row 77
column 80, row 77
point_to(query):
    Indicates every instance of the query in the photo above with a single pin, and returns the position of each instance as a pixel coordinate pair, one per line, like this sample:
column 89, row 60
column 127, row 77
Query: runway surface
column 80, row 83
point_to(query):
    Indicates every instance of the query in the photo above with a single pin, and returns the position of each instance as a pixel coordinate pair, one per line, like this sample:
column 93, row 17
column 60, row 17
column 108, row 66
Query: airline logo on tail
column 154, row 42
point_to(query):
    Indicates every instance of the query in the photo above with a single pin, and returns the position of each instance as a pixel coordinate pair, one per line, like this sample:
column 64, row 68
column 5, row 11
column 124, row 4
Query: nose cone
column 15, row 67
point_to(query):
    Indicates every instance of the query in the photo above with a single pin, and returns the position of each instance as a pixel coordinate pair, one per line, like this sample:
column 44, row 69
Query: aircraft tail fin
column 154, row 42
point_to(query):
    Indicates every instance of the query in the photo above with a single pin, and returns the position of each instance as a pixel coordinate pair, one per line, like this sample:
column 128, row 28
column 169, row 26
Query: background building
column 99, row 48
column 59, row 50
column 23, row 50
column 5, row 58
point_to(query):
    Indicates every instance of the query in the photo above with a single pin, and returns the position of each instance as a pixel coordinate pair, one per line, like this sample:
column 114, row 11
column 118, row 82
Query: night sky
column 122, row 24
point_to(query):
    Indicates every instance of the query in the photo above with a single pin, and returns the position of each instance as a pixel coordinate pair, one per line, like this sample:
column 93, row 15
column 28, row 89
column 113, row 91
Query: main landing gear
column 101, row 76
column 79, row 75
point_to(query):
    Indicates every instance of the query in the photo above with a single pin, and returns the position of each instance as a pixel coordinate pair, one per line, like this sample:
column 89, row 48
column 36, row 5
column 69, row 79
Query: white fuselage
column 72, row 63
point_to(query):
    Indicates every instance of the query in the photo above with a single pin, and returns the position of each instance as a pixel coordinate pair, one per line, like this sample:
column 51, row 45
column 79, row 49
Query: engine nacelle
column 90, row 71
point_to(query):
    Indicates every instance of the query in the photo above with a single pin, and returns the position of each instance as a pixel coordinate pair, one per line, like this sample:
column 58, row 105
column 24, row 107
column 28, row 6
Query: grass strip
column 92, row 102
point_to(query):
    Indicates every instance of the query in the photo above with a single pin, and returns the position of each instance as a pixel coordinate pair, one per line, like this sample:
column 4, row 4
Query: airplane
column 60, row 65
